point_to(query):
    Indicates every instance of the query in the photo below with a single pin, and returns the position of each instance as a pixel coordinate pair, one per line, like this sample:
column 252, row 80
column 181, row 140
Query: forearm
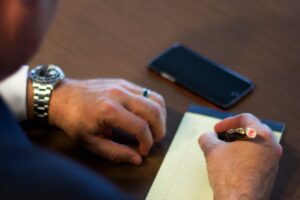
column 235, row 194
column 256, row 186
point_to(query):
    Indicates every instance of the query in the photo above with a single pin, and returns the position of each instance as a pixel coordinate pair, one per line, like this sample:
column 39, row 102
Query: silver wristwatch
column 44, row 79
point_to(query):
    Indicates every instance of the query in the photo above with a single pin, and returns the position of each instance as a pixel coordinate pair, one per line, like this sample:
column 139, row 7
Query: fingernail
column 136, row 160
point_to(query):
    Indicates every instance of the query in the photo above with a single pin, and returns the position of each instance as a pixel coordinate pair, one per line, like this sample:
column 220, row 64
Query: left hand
column 88, row 110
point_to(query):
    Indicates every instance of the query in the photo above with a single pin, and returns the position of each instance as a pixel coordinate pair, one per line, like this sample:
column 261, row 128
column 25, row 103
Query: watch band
column 44, row 79
column 41, row 98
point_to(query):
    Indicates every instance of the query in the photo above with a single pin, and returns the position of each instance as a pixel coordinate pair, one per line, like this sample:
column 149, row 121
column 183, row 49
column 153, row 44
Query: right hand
column 241, row 169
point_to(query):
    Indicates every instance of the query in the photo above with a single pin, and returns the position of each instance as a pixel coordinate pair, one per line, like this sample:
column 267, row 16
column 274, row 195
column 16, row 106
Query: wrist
column 239, row 190
column 42, row 81
column 246, row 190
column 54, row 103
column 58, row 102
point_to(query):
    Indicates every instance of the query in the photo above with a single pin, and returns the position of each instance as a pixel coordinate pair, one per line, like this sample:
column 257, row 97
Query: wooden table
column 259, row 39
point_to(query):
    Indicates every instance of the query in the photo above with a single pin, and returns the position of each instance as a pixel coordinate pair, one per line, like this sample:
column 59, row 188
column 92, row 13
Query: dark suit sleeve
column 28, row 172
column 42, row 175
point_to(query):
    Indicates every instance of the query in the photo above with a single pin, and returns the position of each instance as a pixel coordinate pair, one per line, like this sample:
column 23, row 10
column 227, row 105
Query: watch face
column 50, row 74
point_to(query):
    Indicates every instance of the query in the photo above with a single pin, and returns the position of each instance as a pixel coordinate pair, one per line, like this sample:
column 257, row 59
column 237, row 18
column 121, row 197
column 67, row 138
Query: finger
column 242, row 120
column 112, row 151
column 118, row 117
column 143, row 107
column 268, row 136
column 149, row 111
column 266, row 133
column 139, row 91
column 154, row 96
column 208, row 141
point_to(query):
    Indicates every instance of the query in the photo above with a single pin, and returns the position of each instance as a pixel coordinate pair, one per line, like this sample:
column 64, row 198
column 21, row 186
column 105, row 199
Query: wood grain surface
column 259, row 39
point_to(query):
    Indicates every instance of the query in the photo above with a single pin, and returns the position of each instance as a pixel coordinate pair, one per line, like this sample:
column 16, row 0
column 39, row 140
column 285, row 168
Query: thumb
column 208, row 141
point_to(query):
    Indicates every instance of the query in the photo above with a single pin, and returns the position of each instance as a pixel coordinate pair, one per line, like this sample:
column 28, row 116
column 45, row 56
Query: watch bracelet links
column 41, row 98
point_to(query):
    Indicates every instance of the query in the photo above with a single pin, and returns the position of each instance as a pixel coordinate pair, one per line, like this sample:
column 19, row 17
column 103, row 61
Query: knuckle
column 108, row 107
column 266, row 132
column 114, row 156
column 122, row 82
column 143, row 127
column 161, row 100
column 115, row 91
column 245, row 116
column 156, row 110
column 270, row 135
column 267, row 135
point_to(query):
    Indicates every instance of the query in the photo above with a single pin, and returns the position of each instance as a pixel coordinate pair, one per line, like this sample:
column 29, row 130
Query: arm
column 241, row 169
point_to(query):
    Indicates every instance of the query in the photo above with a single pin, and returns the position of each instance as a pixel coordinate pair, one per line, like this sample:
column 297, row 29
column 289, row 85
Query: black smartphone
column 214, row 82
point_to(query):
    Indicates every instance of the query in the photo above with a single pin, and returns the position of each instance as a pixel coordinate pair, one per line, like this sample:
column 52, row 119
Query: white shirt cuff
column 14, row 92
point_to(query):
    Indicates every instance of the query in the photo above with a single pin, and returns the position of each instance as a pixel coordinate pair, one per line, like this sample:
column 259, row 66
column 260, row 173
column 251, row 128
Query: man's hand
column 88, row 110
column 241, row 169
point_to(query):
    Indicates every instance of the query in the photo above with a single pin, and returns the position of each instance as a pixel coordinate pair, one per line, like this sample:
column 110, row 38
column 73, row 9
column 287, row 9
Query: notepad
column 183, row 175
